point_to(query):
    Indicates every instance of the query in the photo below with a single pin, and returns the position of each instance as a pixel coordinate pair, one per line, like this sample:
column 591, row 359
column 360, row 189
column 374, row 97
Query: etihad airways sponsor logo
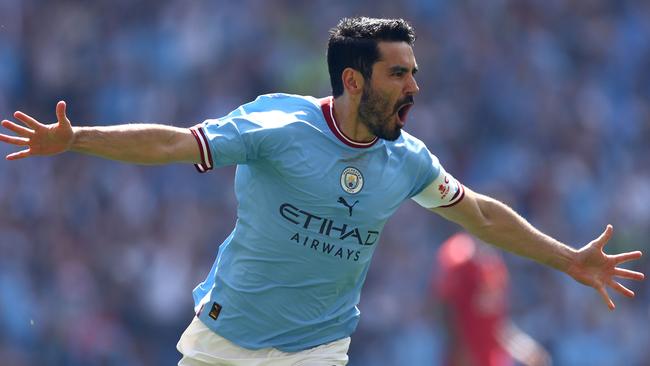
column 327, row 226
column 326, row 248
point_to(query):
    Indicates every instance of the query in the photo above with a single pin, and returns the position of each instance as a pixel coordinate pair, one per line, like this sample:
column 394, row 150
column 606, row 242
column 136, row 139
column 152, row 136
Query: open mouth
column 403, row 111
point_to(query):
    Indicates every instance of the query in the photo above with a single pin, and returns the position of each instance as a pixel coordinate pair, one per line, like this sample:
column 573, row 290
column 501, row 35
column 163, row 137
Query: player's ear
column 352, row 81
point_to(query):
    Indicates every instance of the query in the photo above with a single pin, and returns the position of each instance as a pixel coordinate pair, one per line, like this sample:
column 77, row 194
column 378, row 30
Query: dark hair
column 353, row 43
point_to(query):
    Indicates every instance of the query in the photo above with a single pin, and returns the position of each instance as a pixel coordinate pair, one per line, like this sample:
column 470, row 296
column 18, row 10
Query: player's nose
column 412, row 87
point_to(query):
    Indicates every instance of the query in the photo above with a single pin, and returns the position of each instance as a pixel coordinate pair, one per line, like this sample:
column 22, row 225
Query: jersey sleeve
column 222, row 142
column 443, row 191
column 237, row 138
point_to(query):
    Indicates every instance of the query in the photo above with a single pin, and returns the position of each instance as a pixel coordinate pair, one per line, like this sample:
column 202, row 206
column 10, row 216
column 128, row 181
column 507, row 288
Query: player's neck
column 346, row 117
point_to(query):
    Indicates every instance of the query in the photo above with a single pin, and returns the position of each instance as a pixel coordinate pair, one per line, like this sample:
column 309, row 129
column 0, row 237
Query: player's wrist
column 566, row 260
column 74, row 145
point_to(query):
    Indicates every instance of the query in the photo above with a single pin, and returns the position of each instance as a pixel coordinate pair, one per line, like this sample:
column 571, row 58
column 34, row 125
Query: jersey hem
column 288, row 349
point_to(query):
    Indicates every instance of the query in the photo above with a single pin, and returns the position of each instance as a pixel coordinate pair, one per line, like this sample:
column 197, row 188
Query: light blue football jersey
column 312, row 205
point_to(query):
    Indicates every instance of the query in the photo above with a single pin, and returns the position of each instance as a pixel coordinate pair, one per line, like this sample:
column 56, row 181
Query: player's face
column 388, row 95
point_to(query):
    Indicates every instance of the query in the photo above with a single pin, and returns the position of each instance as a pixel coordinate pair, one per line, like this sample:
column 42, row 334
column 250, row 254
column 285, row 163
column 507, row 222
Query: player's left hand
column 592, row 267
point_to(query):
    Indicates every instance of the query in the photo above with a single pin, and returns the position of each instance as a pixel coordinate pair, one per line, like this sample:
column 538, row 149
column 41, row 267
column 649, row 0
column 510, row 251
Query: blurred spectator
column 471, row 282
column 542, row 104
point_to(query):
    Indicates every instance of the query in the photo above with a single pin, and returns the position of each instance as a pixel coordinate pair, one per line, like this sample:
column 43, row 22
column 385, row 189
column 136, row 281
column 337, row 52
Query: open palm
column 592, row 267
column 39, row 139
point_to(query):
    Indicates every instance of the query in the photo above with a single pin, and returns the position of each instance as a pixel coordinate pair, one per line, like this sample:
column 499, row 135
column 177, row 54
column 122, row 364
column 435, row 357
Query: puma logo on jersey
column 346, row 204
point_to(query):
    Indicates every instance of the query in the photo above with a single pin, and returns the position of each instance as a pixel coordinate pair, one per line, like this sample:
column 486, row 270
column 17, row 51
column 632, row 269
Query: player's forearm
column 134, row 143
column 504, row 228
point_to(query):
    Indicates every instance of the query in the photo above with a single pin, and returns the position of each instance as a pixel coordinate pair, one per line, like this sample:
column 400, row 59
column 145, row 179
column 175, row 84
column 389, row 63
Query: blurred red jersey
column 472, row 282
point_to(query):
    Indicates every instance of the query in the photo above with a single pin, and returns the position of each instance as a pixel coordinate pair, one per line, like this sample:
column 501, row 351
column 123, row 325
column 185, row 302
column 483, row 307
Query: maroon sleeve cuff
column 204, row 149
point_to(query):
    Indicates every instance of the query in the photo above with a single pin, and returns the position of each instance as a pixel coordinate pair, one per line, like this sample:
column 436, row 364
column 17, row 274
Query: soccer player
column 316, row 181
column 471, row 283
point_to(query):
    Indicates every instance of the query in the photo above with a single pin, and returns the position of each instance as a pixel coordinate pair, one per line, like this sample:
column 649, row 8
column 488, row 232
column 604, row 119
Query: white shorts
column 201, row 346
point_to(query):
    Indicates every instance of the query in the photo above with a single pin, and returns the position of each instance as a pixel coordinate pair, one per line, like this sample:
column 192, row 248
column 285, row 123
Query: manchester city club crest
column 351, row 180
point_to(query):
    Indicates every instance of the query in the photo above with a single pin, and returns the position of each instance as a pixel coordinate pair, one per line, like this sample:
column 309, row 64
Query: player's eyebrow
column 402, row 69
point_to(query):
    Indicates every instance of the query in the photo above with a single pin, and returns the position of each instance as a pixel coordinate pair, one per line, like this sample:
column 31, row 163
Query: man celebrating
column 316, row 181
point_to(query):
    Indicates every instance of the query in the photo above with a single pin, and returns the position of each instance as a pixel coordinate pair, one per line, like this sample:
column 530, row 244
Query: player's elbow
column 179, row 147
column 485, row 218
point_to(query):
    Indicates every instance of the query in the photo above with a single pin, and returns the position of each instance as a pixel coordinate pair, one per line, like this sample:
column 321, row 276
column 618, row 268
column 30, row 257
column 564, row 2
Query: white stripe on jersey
column 203, row 149
column 341, row 134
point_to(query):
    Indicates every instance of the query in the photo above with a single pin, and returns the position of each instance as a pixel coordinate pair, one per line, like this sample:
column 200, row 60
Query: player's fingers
column 604, row 237
column 28, row 120
column 14, row 140
column 19, row 155
column 630, row 275
column 603, row 294
column 621, row 289
column 626, row 257
column 60, row 113
column 22, row 131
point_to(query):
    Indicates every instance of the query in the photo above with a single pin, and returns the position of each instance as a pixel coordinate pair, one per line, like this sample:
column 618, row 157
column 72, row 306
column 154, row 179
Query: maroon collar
column 327, row 106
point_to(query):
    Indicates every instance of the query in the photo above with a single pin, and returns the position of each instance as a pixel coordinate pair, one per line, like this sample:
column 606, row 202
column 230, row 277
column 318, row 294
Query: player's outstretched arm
column 134, row 143
column 497, row 224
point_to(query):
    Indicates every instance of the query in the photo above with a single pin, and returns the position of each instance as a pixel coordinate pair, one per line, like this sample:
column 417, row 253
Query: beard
column 376, row 113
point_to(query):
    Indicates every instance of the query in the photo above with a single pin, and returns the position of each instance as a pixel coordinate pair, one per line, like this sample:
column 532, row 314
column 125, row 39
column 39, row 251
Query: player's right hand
column 39, row 139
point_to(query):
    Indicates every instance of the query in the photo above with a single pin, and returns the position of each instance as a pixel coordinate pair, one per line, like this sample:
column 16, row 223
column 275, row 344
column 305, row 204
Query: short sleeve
column 226, row 141
column 443, row 191
column 239, row 137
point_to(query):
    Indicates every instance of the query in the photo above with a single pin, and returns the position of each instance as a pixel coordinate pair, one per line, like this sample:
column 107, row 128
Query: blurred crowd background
column 542, row 104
